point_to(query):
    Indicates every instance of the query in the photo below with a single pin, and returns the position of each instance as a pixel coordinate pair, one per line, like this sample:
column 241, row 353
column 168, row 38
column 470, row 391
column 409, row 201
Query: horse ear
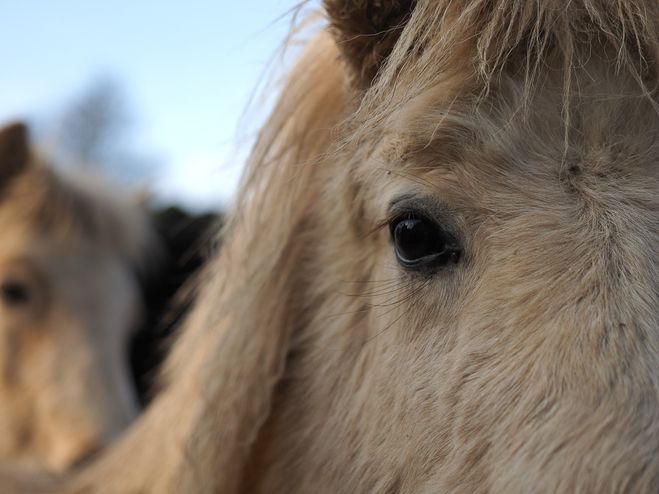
column 14, row 151
column 365, row 32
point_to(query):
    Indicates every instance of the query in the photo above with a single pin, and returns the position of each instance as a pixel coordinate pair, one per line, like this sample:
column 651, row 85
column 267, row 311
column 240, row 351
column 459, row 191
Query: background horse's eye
column 419, row 241
column 14, row 293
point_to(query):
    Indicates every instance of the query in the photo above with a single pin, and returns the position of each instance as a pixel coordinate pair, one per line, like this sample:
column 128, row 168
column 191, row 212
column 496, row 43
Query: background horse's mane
column 70, row 209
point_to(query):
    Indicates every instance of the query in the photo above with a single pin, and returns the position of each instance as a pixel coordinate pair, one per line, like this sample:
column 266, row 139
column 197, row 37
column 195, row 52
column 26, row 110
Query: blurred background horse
column 71, row 256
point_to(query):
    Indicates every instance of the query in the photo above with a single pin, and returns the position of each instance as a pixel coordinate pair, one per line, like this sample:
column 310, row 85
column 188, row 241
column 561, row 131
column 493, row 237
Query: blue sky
column 188, row 69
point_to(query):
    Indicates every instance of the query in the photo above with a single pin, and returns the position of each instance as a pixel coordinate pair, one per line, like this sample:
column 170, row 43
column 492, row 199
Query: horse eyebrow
column 436, row 146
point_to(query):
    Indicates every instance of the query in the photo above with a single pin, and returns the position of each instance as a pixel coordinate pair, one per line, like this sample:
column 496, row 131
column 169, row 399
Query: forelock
column 482, row 42
column 70, row 211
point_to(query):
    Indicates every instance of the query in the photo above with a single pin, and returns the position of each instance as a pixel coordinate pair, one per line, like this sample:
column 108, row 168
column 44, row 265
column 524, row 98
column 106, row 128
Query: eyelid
column 405, row 202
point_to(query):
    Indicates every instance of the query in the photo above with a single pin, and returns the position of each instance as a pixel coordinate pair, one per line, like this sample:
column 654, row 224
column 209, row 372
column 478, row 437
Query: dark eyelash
column 398, row 215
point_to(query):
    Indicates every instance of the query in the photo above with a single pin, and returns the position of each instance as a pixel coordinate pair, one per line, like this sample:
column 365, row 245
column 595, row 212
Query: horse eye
column 418, row 241
column 14, row 293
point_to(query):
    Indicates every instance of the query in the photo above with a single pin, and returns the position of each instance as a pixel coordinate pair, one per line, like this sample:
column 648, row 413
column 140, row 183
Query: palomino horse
column 442, row 273
column 69, row 300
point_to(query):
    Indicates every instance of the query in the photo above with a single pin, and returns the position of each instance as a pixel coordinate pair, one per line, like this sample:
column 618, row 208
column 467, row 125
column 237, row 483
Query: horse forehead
column 605, row 130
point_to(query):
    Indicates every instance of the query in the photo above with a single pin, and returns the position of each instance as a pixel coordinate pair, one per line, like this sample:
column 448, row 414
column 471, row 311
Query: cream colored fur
column 70, row 251
column 315, row 362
